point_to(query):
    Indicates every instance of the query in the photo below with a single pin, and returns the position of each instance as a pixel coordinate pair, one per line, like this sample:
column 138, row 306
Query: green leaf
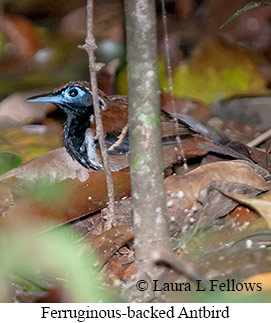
column 248, row 6
column 9, row 160
column 53, row 258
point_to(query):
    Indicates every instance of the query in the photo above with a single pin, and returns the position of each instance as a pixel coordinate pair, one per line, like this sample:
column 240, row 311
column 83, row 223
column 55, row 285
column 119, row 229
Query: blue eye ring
column 73, row 93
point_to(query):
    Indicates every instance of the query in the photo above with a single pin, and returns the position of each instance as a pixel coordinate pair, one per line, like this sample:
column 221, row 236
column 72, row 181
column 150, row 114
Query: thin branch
column 90, row 46
column 170, row 79
column 120, row 138
column 263, row 137
column 164, row 256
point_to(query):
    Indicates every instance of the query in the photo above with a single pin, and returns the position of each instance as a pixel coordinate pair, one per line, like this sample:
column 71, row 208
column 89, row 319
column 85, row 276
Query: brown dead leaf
column 183, row 193
column 21, row 33
column 216, row 205
column 129, row 271
column 260, row 203
column 91, row 225
column 193, row 182
column 107, row 244
column 188, row 198
column 241, row 215
column 56, row 165
column 61, row 202
column 55, row 188
column 252, row 153
column 174, row 152
column 119, row 268
column 228, row 151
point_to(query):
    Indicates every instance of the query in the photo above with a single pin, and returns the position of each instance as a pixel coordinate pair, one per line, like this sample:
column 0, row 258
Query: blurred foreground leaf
column 49, row 260
column 9, row 160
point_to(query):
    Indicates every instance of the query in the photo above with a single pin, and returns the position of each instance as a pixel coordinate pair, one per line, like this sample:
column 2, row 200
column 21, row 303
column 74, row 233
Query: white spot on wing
column 102, row 103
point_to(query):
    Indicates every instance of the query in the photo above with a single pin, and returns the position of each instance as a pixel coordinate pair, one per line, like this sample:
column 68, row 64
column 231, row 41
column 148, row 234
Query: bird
column 76, row 101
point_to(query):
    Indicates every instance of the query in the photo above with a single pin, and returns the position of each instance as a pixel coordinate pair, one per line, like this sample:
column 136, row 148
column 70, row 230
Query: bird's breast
column 89, row 148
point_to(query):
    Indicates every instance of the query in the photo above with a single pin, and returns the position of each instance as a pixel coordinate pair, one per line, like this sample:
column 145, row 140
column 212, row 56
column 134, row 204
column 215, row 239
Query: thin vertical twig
column 89, row 47
column 170, row 81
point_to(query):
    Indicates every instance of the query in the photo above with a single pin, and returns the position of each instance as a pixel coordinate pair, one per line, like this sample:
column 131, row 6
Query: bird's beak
column 48, row 97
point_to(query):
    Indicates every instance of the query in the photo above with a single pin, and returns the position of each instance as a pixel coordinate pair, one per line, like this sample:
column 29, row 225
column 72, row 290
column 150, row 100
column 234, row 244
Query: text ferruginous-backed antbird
column 75, row 99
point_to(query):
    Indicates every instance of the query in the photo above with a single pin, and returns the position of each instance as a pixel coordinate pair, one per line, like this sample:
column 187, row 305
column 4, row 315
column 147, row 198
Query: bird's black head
column 74, row 98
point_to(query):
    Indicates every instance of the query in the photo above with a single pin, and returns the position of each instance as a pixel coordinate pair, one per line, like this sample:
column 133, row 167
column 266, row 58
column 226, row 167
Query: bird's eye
column 73, row 93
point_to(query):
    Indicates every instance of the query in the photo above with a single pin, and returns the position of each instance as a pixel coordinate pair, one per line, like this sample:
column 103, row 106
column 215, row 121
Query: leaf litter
column 217, row 209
